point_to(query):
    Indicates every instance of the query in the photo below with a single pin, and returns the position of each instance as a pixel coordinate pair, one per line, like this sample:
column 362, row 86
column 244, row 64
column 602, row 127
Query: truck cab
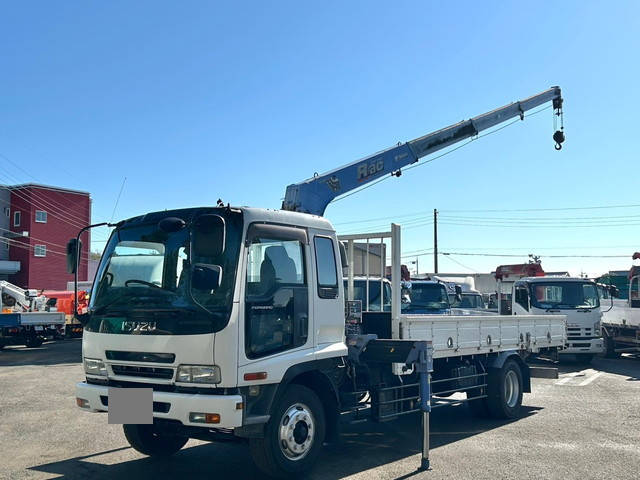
column 220, row 311
column 427, row 297
column 577, row 298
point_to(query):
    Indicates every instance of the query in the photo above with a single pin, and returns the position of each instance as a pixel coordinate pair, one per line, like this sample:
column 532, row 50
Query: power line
column 522, row 255
column 461, row 264
column 596, row 207
column 507, row 225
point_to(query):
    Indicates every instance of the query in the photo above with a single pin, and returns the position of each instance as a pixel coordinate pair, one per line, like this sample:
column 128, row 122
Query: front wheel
column 294, row 435
column 147, row 440
column 505, row 390
column 610, row 346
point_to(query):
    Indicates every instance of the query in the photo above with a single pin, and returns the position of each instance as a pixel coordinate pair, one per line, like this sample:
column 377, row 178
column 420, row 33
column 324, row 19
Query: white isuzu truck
column 575, row 297
column 234, row 320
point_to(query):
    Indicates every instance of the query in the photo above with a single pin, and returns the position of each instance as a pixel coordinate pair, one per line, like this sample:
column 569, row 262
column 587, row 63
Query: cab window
column 276, row 296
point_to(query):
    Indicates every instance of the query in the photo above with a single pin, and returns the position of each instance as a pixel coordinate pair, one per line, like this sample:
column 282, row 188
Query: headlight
column 198, row 374
column 93, row 366
column 596, row 328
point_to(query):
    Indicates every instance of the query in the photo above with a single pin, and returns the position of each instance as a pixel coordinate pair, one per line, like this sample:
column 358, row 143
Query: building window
column 16, row 219
column 41, row 216
column 40, row 251
column 6, row 244
column 7, row 212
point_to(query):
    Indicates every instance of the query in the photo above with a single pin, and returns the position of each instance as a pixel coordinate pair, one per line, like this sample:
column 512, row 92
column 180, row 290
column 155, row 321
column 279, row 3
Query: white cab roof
column 554, row 279
column 286, row 218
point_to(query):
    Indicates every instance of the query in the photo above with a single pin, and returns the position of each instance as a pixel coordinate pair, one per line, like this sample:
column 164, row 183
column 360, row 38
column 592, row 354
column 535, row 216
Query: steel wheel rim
column 296, row 432
column 511, row 389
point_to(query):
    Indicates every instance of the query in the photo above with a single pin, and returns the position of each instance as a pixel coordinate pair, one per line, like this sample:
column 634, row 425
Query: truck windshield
column 144, row 281
column 468, row 301
column 426, row 296
column 564, row 295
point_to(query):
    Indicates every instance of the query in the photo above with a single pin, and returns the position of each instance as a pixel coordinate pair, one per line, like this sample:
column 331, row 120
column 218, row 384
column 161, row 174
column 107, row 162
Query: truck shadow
column 361, row 447
column 626, row 365
column 49, row 353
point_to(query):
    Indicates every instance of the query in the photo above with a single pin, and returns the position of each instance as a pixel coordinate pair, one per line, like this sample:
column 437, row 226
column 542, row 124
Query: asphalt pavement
column 583, row 425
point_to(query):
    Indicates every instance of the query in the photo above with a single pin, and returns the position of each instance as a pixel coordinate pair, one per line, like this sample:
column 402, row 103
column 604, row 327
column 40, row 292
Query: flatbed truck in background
column 27, row 318
column 621, row 322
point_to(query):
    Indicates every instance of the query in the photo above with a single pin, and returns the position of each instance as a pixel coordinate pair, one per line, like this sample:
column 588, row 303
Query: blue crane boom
column 314, row 194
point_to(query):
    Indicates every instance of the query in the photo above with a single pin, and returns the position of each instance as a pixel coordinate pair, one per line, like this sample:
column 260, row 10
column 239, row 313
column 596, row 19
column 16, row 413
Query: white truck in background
column 575, row 297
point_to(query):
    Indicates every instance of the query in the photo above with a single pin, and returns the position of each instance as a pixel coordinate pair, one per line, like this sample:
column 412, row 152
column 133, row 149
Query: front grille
column 146, row 372
column 577, row 333
column 140, row 356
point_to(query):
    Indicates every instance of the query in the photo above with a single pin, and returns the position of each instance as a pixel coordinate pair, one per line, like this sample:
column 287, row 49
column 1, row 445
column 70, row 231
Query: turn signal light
column 197, row 417
column 82, row 403
column 255, row 376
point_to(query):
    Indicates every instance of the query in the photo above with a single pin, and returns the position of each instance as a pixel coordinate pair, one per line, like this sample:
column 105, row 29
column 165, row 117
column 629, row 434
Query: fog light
column 197, row 417
column 82, row 403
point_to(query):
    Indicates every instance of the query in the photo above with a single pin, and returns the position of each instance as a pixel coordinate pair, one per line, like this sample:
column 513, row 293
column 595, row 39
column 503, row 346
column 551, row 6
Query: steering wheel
column 143, row 282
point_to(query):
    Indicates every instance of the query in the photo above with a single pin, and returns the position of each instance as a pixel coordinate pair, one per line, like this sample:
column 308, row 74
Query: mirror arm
column 77, row 262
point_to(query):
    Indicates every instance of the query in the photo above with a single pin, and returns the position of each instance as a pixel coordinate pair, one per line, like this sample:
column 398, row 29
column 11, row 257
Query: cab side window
column 326, row 268
column 276, row 296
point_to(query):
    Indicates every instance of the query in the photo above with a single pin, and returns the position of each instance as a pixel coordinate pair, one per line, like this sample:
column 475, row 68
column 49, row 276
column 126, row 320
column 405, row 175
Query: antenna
column 117, row 199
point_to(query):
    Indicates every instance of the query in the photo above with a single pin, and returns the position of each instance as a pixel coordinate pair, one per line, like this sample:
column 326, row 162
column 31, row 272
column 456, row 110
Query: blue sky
column 195, row 101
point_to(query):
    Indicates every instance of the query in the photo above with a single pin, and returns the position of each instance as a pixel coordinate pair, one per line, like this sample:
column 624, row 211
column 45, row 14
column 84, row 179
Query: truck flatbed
column 471, row 335
column 622, row 315
column 41, row 318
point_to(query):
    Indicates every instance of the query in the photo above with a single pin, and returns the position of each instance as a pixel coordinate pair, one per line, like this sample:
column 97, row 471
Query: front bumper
column 582, row 345
column 229, row 407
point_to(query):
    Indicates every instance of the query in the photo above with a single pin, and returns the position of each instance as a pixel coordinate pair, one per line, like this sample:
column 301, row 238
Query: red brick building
column 42, row 220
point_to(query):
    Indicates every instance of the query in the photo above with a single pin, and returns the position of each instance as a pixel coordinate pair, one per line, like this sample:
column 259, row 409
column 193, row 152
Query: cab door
column 328, row 306
column 275, row 328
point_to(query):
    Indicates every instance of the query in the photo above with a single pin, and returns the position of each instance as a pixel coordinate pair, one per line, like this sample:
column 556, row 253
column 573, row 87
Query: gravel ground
column 584, row 425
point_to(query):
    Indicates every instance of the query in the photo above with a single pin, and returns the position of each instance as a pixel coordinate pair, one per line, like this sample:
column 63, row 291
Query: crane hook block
column 558, row 137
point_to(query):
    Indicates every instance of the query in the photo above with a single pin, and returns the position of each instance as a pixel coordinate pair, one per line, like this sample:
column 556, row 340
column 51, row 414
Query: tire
column 505, row 391
column 584, row 358
column 147, row 440
column 276, row 454
column 34, row 342
column 610, row 348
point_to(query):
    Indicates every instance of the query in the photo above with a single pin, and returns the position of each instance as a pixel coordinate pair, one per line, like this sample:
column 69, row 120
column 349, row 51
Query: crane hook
column 558, row 137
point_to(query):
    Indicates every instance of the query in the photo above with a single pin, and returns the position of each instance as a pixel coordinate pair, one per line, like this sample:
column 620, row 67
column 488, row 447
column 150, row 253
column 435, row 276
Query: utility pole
column 435, row 240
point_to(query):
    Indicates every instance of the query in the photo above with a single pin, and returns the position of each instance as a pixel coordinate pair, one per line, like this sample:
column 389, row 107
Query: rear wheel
column 34, row 342
column 294, row 435
column 148, row 440
column 505, row 390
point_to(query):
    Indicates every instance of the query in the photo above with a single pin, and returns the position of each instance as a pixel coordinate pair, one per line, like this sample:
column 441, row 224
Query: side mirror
column 206, row 277
column 458, row 289
column 209, row 236
column 344, row 261
column 613, row 291
column 74, row 246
